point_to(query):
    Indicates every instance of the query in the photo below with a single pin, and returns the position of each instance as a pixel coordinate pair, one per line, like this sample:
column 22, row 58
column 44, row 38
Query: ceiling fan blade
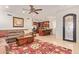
column 31, row 6
column 36, row 12
column 32, row 9
column 38, row 9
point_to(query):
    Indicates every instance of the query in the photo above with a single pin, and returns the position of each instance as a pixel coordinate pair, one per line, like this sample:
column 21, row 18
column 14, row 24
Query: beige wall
column 6, row 21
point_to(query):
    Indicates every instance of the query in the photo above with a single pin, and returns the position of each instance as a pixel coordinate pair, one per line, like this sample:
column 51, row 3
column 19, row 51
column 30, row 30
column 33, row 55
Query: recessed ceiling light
column 23, row 11
column 6, row 6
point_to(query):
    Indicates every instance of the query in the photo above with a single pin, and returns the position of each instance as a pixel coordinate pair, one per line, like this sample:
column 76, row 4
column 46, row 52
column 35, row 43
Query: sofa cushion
column 3, row 34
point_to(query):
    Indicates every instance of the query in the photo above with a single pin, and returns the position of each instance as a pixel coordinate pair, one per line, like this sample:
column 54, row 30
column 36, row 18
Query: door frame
column 74, row 27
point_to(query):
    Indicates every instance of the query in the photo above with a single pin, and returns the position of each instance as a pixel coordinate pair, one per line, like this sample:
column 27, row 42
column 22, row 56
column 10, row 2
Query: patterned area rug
column 38, row 47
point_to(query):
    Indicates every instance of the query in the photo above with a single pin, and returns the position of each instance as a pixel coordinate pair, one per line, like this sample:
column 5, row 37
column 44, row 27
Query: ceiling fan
column 34, row 10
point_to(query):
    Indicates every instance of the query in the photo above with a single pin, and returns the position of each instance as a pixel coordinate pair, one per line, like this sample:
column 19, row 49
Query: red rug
column 38, row 47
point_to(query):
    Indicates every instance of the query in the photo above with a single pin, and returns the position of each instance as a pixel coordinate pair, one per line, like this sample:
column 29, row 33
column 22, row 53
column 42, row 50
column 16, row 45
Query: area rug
column 38, row 47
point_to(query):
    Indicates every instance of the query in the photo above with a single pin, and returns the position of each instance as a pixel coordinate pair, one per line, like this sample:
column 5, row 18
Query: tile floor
column 60, row 42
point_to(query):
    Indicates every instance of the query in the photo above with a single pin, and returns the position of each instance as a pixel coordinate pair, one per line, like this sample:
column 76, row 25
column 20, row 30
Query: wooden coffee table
column 25, row 40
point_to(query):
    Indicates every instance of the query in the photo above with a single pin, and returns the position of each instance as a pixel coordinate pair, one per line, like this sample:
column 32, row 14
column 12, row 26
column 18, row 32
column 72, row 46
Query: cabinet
column 45, row 32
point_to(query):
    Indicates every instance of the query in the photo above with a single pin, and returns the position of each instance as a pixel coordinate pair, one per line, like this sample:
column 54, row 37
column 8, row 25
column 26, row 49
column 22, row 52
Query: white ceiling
column 48, row 10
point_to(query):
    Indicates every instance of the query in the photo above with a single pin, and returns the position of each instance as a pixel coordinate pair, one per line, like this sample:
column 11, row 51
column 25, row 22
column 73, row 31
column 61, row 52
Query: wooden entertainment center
column 43, row 28
column 43, row 32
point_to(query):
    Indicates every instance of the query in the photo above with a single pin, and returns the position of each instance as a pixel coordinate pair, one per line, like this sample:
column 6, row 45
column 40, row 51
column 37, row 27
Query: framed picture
column 18, row 22
column 69, row 27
